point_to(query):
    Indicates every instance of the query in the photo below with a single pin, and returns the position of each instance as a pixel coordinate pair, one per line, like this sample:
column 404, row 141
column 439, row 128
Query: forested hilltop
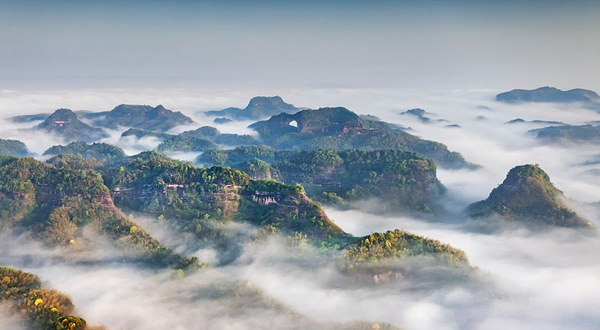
column 399, row 180
column 40, row 308
column 63, row 206
column 527, row 196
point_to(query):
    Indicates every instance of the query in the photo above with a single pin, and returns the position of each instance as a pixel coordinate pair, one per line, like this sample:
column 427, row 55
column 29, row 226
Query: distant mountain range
column 568, row 134
column 135, row 116
column 549, row 94
column 540, row 122
column 259, row 107
column 290, row 128
column 341, row 129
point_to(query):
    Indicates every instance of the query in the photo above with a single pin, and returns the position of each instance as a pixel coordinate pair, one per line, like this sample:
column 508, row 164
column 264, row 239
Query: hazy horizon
column 277, row 44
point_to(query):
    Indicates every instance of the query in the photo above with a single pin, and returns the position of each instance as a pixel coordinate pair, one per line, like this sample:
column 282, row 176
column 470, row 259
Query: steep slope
column 61, row 206
column 66, row 124
column 259, row 107
column 548, row 94
column 13, row 148
column 527, row 196
column 144, row 117
column 342, row 129
column 40, row 308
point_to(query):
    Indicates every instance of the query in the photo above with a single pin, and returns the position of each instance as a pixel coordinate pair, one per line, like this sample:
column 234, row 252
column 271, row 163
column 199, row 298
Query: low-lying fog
column 533, row 280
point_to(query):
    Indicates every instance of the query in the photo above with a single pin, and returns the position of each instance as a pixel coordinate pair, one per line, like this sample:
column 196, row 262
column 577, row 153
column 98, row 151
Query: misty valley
column 466, row 210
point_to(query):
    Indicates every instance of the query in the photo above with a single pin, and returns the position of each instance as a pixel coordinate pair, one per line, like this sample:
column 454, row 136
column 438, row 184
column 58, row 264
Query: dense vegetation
column 40, row 308
column 199, row 199
column 227, row 139
column 99, row 151
column 342, row 129
column 55, row 204
column 13, row 148
column 382, row 251
column 259, row 169
column 527, row 196
column 259, row 107
column 55, row 201
column 186, row 143
column 403, row 180
column 237, row 155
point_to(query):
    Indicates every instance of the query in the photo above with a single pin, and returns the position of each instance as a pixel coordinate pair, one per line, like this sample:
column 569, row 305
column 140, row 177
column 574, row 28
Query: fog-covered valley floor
column 525, row 279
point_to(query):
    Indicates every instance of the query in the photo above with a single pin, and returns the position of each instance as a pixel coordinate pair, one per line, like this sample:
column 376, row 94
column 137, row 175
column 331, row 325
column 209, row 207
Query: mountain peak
column 62, row 114
column 259, row 107
column 522, row 172
column 269, row 102
column 65, row 123
column 528, row 196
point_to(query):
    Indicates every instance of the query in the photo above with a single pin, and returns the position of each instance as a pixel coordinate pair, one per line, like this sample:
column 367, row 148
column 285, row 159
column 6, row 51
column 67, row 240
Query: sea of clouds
column 532, row 280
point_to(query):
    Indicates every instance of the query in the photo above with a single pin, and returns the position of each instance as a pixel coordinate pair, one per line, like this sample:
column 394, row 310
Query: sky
column 302, row 44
